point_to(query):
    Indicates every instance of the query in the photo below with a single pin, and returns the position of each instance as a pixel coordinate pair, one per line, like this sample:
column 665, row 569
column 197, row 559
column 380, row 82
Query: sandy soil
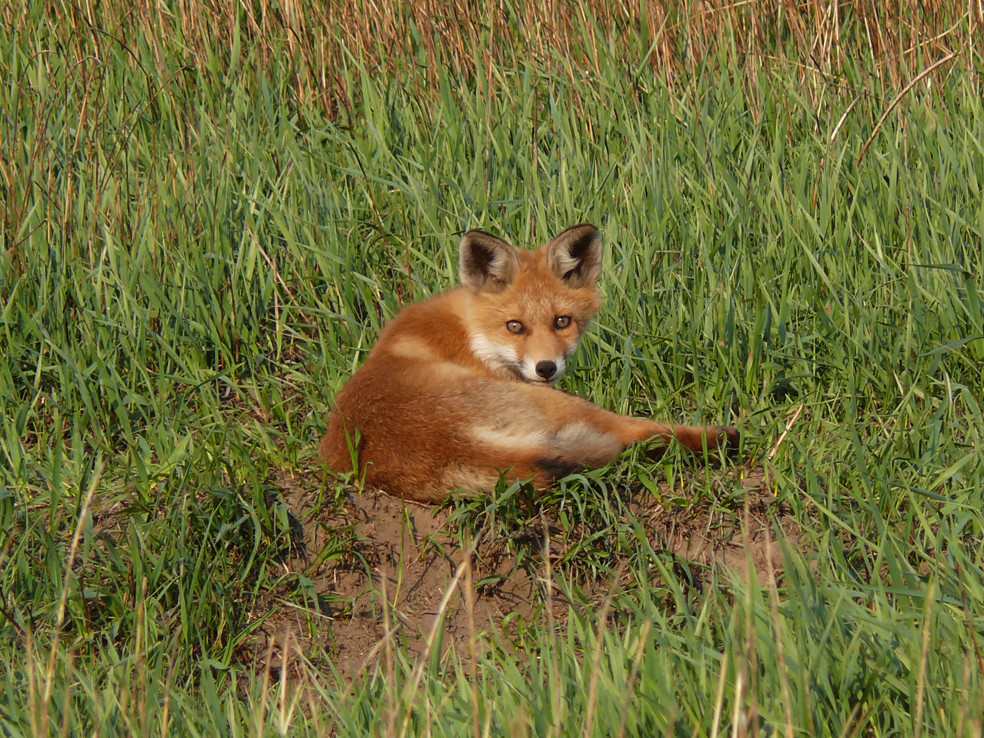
column 392, row 568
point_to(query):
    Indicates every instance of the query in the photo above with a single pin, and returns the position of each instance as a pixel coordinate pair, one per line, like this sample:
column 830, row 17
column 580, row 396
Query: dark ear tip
column 586, row 227
column 584, row 234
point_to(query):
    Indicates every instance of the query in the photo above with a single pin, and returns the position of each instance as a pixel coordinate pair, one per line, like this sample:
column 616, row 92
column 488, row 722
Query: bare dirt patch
column 389, row 576
column 381, row 570
column 742, row 539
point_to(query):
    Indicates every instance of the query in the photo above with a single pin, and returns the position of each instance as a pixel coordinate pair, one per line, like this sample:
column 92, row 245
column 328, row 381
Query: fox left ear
column 575, row 255
column 486, row 262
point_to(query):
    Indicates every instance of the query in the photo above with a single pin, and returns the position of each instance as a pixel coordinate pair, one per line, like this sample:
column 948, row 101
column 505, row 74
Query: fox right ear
column 487, row 262
column 575, row 255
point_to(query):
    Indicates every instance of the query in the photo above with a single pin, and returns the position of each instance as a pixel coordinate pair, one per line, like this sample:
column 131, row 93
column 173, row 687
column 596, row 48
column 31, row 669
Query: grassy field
column 207, row 212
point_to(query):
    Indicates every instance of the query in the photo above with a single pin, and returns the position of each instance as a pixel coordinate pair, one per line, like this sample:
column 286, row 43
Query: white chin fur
column 498, row 356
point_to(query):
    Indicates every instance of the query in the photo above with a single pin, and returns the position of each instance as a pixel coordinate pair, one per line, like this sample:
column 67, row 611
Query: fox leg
column 597, row 435
column 573, row 447
column 695, row 438
column 547, row 434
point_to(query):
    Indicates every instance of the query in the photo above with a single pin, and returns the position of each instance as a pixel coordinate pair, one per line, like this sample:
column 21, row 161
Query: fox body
column 459, row 389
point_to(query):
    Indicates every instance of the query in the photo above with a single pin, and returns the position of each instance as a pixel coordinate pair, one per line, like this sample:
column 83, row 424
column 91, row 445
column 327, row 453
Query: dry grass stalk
column 327, row 45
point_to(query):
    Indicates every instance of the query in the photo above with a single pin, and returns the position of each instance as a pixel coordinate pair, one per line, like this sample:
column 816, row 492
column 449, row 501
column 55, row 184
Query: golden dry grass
column 326, row 46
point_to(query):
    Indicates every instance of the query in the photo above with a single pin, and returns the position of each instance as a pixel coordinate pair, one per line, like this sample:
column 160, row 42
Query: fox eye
column 514, row 326
column 563, row 321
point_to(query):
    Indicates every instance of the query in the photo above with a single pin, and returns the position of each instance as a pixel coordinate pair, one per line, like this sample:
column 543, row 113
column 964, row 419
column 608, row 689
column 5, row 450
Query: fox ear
column 487, row 262
column 575, row 255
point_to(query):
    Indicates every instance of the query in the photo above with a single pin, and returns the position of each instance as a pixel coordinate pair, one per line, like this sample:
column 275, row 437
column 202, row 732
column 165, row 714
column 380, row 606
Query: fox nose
column 545, row 369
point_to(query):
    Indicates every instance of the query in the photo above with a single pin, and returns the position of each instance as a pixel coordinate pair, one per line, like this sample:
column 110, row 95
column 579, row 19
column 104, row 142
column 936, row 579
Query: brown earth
column 385, row 570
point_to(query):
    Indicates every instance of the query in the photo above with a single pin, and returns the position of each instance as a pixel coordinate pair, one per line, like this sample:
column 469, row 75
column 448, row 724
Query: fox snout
column 542, row 371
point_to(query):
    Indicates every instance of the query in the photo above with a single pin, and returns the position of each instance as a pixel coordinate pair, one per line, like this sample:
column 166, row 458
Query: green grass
column 193, row 262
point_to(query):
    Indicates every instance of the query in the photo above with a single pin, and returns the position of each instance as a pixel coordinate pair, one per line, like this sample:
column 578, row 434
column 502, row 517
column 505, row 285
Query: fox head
column 527, row 309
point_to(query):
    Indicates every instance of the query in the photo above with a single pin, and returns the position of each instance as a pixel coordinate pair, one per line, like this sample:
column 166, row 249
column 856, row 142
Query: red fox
column 459, row 389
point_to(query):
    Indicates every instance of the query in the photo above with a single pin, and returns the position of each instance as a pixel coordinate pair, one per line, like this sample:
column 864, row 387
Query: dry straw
column 326, row 46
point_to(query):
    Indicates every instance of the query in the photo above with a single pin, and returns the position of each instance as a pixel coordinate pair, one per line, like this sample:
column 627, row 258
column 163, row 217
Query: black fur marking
column 558, row 468
column 575, row 255
column 579, row 249
column 479, row 257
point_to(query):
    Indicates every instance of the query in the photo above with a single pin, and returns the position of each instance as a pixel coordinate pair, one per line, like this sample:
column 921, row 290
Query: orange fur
column 458, row 389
